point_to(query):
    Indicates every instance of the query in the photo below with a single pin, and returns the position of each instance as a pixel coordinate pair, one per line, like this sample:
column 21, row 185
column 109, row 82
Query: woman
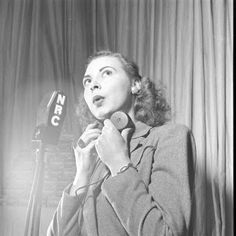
column 135, row 182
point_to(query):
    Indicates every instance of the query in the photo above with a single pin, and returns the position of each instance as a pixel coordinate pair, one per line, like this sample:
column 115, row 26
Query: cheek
column 122, row 90
column 121, row 86
column 87, row 98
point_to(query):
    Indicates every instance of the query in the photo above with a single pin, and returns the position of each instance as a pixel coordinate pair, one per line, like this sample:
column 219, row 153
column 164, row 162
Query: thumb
column 126, row 134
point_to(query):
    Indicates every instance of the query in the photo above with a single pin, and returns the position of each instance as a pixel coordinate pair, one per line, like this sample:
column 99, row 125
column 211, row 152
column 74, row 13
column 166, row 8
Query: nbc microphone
column 50, row 125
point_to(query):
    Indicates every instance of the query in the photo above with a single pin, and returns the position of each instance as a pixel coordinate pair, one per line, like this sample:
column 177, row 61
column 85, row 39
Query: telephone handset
column 120, row 119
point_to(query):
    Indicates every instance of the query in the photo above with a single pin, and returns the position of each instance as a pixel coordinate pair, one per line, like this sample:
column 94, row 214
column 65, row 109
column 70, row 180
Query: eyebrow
column 106, row 67
column 88, row 76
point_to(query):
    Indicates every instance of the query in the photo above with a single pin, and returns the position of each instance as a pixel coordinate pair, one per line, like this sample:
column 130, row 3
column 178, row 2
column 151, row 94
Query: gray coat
column 155, row 199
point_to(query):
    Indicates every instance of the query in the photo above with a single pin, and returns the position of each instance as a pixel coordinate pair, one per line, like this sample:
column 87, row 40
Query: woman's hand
column 85, row 156
column 112, row 147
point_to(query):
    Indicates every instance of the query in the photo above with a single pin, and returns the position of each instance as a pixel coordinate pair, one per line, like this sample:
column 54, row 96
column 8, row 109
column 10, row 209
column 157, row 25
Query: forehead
column 100, row 62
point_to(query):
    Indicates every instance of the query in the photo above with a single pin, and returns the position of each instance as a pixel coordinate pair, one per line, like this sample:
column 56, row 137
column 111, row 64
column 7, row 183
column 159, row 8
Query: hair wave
column 150, row 104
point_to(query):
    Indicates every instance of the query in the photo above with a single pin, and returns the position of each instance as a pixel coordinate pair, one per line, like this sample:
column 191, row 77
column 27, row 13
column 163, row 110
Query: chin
column 102, row 115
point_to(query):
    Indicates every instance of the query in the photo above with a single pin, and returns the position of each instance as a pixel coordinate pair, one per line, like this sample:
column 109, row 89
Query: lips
column 97, row 99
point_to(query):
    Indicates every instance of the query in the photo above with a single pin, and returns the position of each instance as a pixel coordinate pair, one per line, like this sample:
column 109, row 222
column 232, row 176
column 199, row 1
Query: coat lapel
column 137, row 141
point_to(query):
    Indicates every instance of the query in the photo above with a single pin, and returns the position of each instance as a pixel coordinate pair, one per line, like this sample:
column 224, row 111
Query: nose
column 95, row 85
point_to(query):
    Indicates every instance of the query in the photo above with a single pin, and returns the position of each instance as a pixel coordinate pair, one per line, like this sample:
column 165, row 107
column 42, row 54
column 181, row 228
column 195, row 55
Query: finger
column 90, row 137
column 80, row 143
column 90, row 131
column 85, row 139
column 87, row 134
column 93, row 125
column 91, row 147
column 108, row 124
column 86, row 148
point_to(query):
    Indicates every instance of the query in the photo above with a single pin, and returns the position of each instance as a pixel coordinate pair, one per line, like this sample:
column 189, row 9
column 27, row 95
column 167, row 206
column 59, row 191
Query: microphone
column 49, row 128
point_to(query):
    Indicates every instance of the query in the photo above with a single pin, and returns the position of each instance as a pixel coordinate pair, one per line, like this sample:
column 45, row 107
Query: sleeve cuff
column 116, row 186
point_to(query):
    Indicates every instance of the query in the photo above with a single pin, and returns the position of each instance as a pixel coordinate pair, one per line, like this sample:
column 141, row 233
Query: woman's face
column 107, row 87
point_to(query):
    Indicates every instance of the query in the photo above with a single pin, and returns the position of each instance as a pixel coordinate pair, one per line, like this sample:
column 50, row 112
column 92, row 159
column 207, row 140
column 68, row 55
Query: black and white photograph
column 116, row 118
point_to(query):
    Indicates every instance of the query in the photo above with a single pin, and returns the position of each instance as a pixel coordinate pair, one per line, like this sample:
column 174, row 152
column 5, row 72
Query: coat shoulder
column 171, row 129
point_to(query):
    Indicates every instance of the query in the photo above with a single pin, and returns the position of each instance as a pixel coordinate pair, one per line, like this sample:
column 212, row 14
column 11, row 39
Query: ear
column 136, row 87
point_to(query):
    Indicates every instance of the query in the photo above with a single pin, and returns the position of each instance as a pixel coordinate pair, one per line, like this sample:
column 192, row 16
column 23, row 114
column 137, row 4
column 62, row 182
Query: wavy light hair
column 150, row 104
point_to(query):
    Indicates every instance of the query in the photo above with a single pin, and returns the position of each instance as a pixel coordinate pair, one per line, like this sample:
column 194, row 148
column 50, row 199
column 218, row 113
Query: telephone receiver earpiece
column 121, row 120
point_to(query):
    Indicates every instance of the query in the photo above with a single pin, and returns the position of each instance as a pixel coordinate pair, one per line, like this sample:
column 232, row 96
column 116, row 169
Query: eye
column 106, row 73
column 86, row 82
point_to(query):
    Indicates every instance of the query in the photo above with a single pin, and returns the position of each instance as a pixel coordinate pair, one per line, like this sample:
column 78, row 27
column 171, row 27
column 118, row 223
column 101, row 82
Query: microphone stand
column 46, row 132
column 35, row 201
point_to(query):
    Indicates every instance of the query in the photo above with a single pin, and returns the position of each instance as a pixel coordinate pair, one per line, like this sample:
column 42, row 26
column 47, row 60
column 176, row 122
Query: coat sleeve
column 65, row 218
column 164, row 206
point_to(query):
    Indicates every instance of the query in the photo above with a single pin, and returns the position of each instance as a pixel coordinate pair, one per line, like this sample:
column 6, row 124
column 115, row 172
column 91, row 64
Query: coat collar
column 141, row 131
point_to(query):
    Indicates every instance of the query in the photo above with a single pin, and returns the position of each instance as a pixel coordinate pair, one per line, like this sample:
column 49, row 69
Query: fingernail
column 81, row 143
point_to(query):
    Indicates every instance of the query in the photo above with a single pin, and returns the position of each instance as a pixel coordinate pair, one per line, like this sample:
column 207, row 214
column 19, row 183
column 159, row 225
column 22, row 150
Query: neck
column 131, row 115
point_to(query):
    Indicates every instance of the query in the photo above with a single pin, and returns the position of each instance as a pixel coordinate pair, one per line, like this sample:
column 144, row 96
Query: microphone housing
column 48, row 131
